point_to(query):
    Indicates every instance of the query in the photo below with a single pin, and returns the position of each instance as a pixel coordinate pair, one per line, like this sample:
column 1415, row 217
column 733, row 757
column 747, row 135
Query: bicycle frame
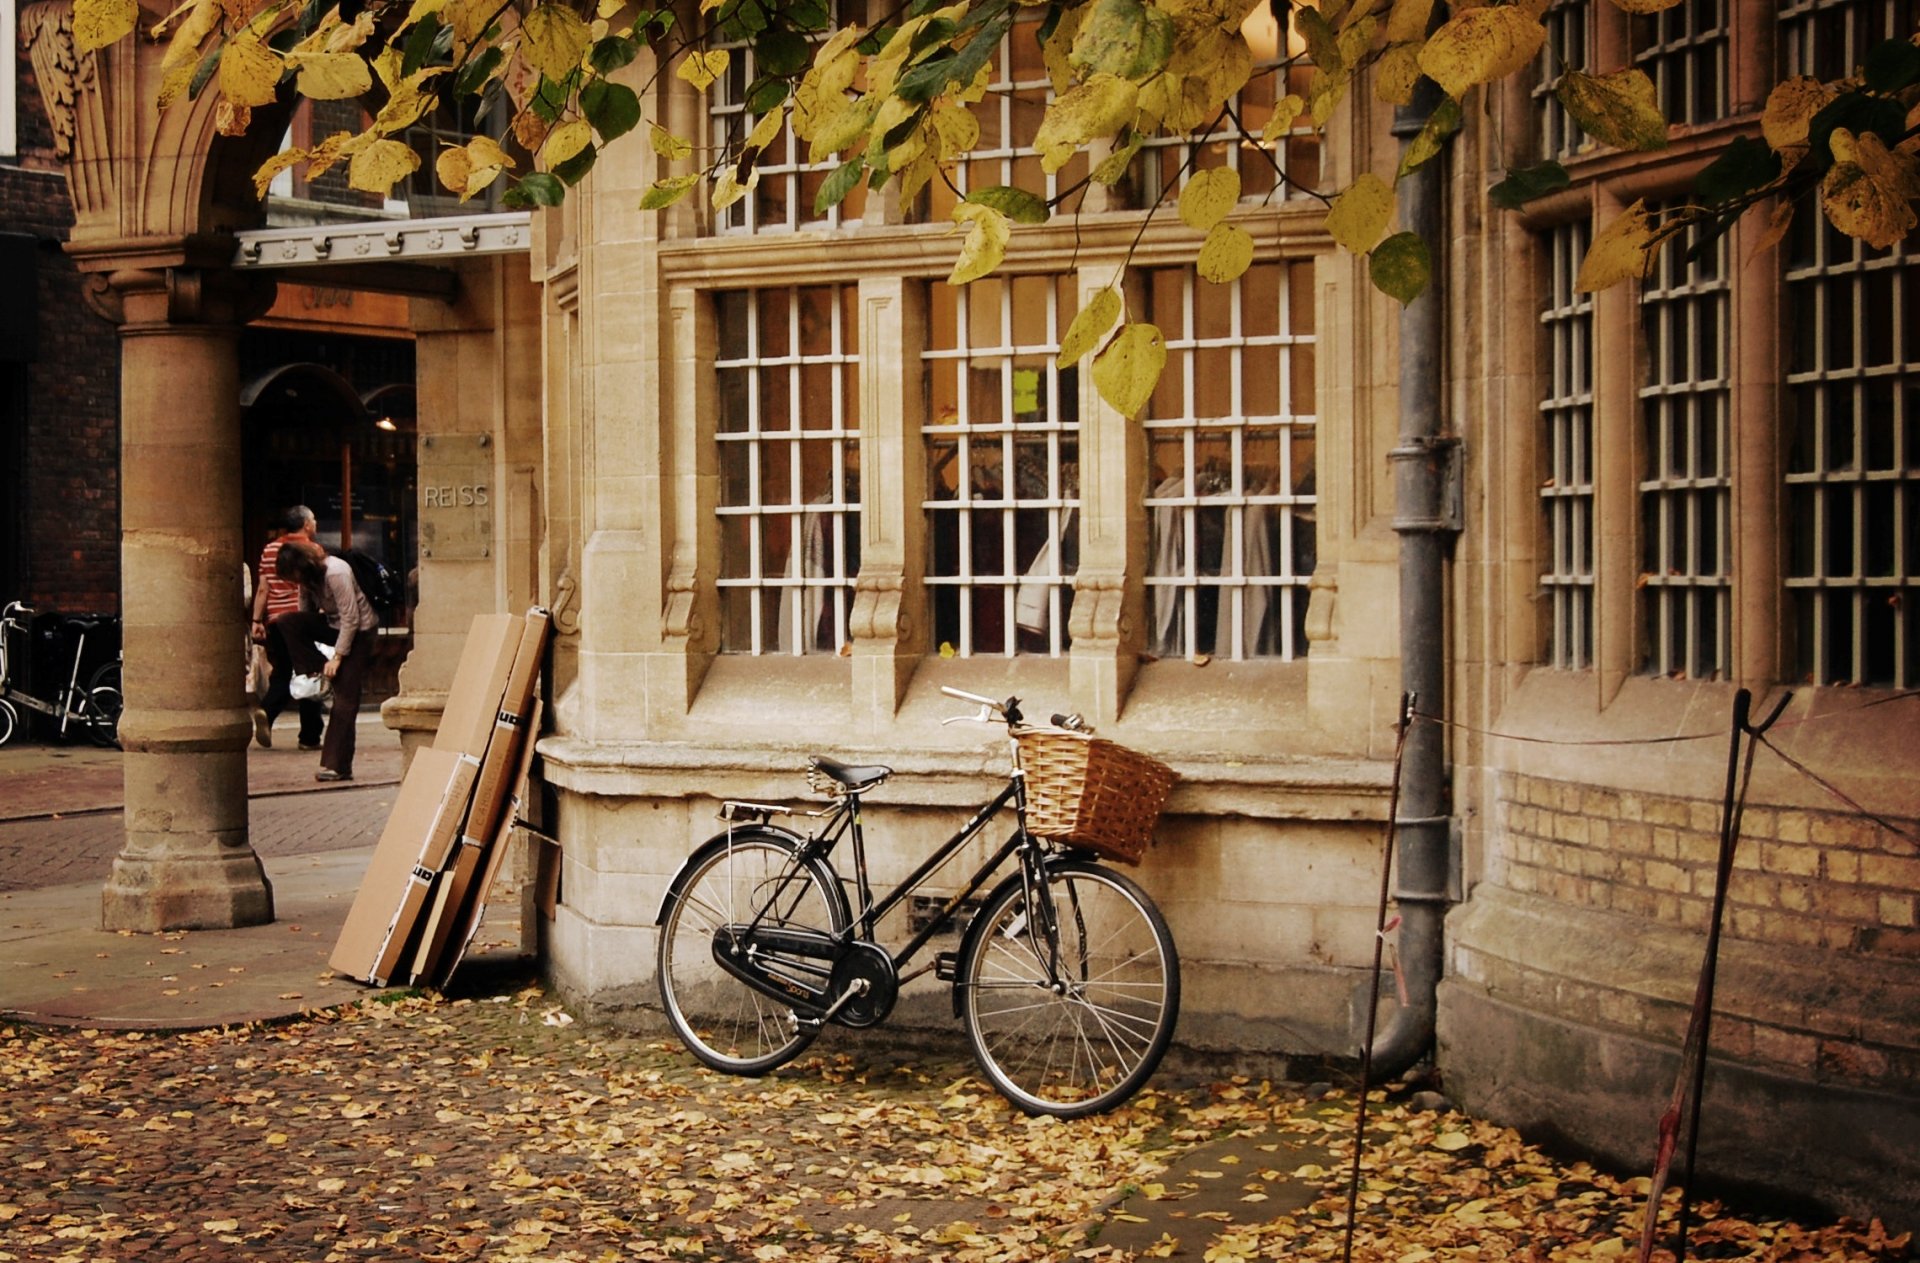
column 62, row 703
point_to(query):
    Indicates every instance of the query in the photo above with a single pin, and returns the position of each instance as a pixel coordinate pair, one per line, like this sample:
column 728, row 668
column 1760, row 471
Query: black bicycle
column 1066, row 979
column 92, row 708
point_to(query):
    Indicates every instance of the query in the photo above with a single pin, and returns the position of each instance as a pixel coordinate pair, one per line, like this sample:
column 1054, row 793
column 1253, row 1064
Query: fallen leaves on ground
column 446, row 1130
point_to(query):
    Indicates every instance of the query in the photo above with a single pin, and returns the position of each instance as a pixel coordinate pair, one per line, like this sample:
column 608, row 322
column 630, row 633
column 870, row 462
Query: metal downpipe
column 1420, row 477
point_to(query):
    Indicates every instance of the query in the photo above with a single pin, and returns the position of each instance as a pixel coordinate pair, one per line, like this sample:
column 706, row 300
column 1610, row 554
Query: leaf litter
column 425, row 1128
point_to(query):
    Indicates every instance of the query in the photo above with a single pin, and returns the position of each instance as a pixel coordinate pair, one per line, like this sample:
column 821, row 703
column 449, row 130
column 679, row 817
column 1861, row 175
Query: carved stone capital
column 877, row 615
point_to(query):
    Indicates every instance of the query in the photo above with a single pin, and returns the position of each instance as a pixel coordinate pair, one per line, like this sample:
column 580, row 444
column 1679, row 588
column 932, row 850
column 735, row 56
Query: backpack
column 380, row 585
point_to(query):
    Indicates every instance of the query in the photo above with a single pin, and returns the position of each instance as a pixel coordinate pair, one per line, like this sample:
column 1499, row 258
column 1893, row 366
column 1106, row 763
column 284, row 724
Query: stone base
column 148, row 895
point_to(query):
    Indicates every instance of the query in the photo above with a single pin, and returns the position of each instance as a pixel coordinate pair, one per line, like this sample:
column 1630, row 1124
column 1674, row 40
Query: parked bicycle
column 1066, row 979
column 92, row 709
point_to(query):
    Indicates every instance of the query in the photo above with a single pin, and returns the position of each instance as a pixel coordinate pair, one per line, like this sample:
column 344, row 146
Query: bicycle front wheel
column 104, row 704
column 1074, row 1021
column 737, row 881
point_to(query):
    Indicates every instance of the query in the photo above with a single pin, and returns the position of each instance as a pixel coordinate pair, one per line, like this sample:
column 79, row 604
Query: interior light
column 385, row 423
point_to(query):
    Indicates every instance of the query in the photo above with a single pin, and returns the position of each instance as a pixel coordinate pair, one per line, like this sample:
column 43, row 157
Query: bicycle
column 93, row 709
column 1066, row 980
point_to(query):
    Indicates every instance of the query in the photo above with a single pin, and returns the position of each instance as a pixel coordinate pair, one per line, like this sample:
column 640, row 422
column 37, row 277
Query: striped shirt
column 283, row 595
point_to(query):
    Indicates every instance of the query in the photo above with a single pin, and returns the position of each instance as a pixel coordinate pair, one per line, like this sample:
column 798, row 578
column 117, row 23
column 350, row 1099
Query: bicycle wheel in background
column 104, row 704
column 723, row 1021
column 1084, row 1036
column 9, row 721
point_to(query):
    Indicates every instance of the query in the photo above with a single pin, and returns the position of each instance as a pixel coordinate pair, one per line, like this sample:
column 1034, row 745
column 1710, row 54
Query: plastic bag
column 309, row 687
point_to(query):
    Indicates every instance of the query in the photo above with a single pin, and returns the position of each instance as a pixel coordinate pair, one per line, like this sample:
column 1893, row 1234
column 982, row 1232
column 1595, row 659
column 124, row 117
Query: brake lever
column 984, row 717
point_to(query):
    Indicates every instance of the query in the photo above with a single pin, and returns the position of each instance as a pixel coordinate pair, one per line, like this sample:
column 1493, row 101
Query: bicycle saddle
column 84, row 622
column 851, row 777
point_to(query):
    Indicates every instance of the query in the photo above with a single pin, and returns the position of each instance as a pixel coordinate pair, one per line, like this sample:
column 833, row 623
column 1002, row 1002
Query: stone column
column 187, row 862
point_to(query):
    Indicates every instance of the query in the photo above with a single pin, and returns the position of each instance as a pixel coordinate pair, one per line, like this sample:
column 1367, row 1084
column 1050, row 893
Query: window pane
column 1566, row 413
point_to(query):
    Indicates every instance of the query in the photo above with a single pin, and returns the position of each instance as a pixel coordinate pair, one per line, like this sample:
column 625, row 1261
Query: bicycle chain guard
column 864, row 963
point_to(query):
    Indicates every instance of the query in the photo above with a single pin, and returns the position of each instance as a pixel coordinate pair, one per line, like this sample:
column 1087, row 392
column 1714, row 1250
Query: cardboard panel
column 425, row 878
column 473, row 700
column 493, row 854
column 372, row 920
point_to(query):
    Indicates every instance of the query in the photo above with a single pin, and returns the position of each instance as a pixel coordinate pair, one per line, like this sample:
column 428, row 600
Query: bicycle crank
column 866, row 984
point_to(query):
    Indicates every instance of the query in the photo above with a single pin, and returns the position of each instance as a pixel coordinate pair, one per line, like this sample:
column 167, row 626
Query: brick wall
column 1804, row 878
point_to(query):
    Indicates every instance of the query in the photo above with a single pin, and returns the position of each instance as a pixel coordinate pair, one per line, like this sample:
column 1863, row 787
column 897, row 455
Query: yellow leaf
column 1408, row 20
column 986, row 243
column 1451, row 1141
column 272, row 167
column 1617, row 109
column 957, row 130
column 221, row 1225
column 1355, row 40
column 767, row 128
column 668, row 145
column 1478, row 46
column 1209, row 196
column 249, row 71
column 408, row 102
column 380, row 166
column 332, row 76
column 1645, row 6
column 183, row 52
column 1089, row 327
column 728, row 189
column 553, row 39
column 1325, row 93
column 1621, row 251
column 1095, row 110
column 566, row 140
column 1359, row 217
column 453, row 168
column 97, row 23
column 485, row 151
column 1226, row 253
column 1869, row 191
column 1129, row 369
column 1286, row 112
column 1790, row 107
column 701, row 68
column 1395, row 72
column 842, row 130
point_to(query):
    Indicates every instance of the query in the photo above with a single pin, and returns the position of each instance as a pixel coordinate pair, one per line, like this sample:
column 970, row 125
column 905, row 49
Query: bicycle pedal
column 946, row 966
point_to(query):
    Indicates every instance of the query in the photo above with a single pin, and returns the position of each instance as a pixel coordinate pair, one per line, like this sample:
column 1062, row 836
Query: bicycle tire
column 9, row 721
column 724, row 1022
column 104, row 702
column 1089, row 1045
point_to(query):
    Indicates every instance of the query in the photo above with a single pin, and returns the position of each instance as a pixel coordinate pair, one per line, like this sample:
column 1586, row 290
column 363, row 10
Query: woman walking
column 332, row 608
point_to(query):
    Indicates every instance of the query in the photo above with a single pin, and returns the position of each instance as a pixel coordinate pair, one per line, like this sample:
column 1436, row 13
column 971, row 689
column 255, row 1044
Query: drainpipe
column 1423, row 465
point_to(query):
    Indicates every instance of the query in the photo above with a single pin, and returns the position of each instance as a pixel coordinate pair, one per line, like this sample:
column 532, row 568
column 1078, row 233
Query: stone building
column 779, row 483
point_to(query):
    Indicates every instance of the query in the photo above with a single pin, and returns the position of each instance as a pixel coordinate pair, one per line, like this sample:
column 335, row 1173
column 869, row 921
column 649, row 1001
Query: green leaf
column 1018, row 205
column 767, row 93
column 1401, row 267
column 576, row 167
column 930, row 78
column 665, row 193
column 549, row 100
column 1432, row 138
column 612, row 108
column 1892, row 65
column 845, row 178
column 1523, row 184
column 611, row 53
column 1747, row 163
column 478, row 71
column 1857, row 112
column 418, row 48
column 540, row 188
column 205, row 71
column 783, row 53
column 1089, row 327
column 1130, row 367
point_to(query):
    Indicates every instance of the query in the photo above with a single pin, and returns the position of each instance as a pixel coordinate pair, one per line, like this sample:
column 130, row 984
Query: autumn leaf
column 1130, row 367
column 1480, row 45
column 330, row 76
column 1208, row 197
column 381, row 165
column 1790, row 108
column 1869, row 191
column 986, row 245
column 1617, row 109
column 1286, row 112
column 1089, row 327
column 566, row 140
column 1225, row 255
column 1775, row 232
column 1094, row 110
column 1621, row 252
column 249, row 71
column 669, row 146
column 701, row 68
column 1645, row 6
column 666, row 192
column 1359, row 217
column 98, row 23
column 1408, row 20
column 1401, row 267
column 553, row 39
column 272, row 167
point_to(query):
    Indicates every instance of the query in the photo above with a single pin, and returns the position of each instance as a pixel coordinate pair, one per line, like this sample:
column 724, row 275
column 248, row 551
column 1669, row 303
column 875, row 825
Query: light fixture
column 385, row 423
column 1262, row 31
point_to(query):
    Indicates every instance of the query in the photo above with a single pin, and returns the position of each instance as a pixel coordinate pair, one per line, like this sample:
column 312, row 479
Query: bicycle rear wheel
column 1077, row 1030
column 723, row 1021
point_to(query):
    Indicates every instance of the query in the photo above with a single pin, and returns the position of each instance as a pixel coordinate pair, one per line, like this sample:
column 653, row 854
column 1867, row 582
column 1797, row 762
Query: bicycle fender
column 718, row 842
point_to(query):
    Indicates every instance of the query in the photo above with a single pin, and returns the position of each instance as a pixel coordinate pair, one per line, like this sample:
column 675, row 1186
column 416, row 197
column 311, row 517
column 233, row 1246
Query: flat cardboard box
column 372, row 921
column 473, row 701
column 474, row 903
column 422, row 882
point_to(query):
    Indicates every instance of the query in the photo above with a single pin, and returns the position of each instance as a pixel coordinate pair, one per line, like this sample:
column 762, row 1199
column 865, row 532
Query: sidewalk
column 57, row 967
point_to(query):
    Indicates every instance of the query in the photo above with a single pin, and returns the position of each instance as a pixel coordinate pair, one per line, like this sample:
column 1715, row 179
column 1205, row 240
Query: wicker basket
column 1091, row 793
